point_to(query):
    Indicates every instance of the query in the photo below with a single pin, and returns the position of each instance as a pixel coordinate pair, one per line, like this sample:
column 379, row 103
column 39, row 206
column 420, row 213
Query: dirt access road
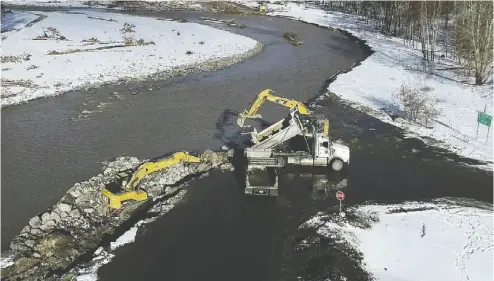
column 45, row 152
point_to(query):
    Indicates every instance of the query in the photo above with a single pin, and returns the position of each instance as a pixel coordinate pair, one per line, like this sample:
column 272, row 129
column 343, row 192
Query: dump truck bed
column 273, row 138
column 261, row 182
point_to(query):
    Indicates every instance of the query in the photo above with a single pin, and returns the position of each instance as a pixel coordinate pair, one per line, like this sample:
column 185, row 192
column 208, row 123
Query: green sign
column 484, row 119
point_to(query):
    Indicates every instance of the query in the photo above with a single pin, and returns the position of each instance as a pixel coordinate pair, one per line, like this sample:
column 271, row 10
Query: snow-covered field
column 419, row 241
column 375, row 83
column 48, row 3
column 92, row 50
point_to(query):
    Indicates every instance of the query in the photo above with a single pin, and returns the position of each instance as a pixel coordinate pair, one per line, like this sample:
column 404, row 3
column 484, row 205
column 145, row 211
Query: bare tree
column 420, row 21
column 474, row 38
column 418, row 106
column 127, row 32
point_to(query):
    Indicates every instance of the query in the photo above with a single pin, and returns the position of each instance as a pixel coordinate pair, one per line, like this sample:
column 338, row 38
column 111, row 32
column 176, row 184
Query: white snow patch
column 47, row 75
column 44, row 3
column 128, row 237
column 248, row 3
column 394, row 64
column 6, row 262
column 443, row 242
column 102, row 256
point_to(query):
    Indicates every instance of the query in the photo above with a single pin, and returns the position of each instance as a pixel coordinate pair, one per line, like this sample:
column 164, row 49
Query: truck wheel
column 337, row 164
column 281, row 162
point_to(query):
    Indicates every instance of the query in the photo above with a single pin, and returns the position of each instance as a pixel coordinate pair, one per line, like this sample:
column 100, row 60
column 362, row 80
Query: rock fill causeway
column 55, row 240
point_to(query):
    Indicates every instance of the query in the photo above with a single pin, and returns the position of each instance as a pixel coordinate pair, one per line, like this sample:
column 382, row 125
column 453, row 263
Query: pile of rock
column 54, row 240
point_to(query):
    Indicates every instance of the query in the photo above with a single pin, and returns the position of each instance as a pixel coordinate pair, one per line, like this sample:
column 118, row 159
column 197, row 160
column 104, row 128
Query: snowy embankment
column 417, row 241
column 47, row 3
column 48, row 53
column 373, row 85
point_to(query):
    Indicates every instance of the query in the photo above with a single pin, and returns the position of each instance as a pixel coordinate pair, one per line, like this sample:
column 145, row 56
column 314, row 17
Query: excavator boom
column 267, row 95
column 130, row 190
column 292, row 104
column 153, row 166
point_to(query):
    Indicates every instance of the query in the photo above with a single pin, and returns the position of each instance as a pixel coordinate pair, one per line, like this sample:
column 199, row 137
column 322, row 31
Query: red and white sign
column 340, row 195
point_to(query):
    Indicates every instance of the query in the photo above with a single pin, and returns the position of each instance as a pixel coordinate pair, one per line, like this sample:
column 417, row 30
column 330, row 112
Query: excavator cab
column 262, row 7
column 317, row 123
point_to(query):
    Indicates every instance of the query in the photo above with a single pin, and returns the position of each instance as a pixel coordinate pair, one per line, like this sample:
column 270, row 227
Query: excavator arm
column 267, row 95
column 130, row 190
column 292, row 104
column 153, row 166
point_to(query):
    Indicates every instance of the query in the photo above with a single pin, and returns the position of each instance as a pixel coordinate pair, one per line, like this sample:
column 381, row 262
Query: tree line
column 462, row 30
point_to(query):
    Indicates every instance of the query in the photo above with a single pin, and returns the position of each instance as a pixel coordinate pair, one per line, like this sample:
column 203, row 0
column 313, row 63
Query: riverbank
column 56, row 57
column 396, row 65
column 443, row 239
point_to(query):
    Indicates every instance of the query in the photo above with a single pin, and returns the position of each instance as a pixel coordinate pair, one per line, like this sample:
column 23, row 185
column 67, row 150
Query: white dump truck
column 266, row 152
column 322, row 152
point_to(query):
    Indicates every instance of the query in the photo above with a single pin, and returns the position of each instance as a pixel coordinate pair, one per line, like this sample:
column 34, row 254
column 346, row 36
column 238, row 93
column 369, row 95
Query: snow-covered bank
column 374, row 84
column 47, row 3
column 68, row 50
column 418, row 241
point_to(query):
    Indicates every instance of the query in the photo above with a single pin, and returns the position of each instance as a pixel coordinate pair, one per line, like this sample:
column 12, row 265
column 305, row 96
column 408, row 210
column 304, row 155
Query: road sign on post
column 484, row 119
column 340, row 196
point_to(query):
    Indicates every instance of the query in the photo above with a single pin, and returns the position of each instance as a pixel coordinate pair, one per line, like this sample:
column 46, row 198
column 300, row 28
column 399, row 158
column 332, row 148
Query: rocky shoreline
column 210, row 64
column 54, row 241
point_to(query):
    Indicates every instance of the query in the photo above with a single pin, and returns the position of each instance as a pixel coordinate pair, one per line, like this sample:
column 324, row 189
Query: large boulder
column 58, row 243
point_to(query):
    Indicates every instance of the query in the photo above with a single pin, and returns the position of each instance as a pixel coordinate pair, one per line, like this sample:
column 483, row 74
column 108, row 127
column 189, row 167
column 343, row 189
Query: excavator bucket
column 115, row 200
column 243, row 116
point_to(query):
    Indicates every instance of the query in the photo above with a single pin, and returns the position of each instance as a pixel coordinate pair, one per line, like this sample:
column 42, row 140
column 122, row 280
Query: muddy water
column 218, row 233
column 47, row 146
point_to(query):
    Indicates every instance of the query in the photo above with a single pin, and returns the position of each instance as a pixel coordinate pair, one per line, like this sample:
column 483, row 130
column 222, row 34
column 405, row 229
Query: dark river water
column 46, row 149
column 218, row 233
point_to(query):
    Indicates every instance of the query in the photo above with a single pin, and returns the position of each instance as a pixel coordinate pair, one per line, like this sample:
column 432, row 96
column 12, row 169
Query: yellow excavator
column 269, row 95
column 116, row 192
column 262, row 7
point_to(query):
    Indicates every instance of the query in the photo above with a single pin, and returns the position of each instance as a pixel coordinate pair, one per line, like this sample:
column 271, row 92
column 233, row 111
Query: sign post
column 484, row 119
column 340, row 196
